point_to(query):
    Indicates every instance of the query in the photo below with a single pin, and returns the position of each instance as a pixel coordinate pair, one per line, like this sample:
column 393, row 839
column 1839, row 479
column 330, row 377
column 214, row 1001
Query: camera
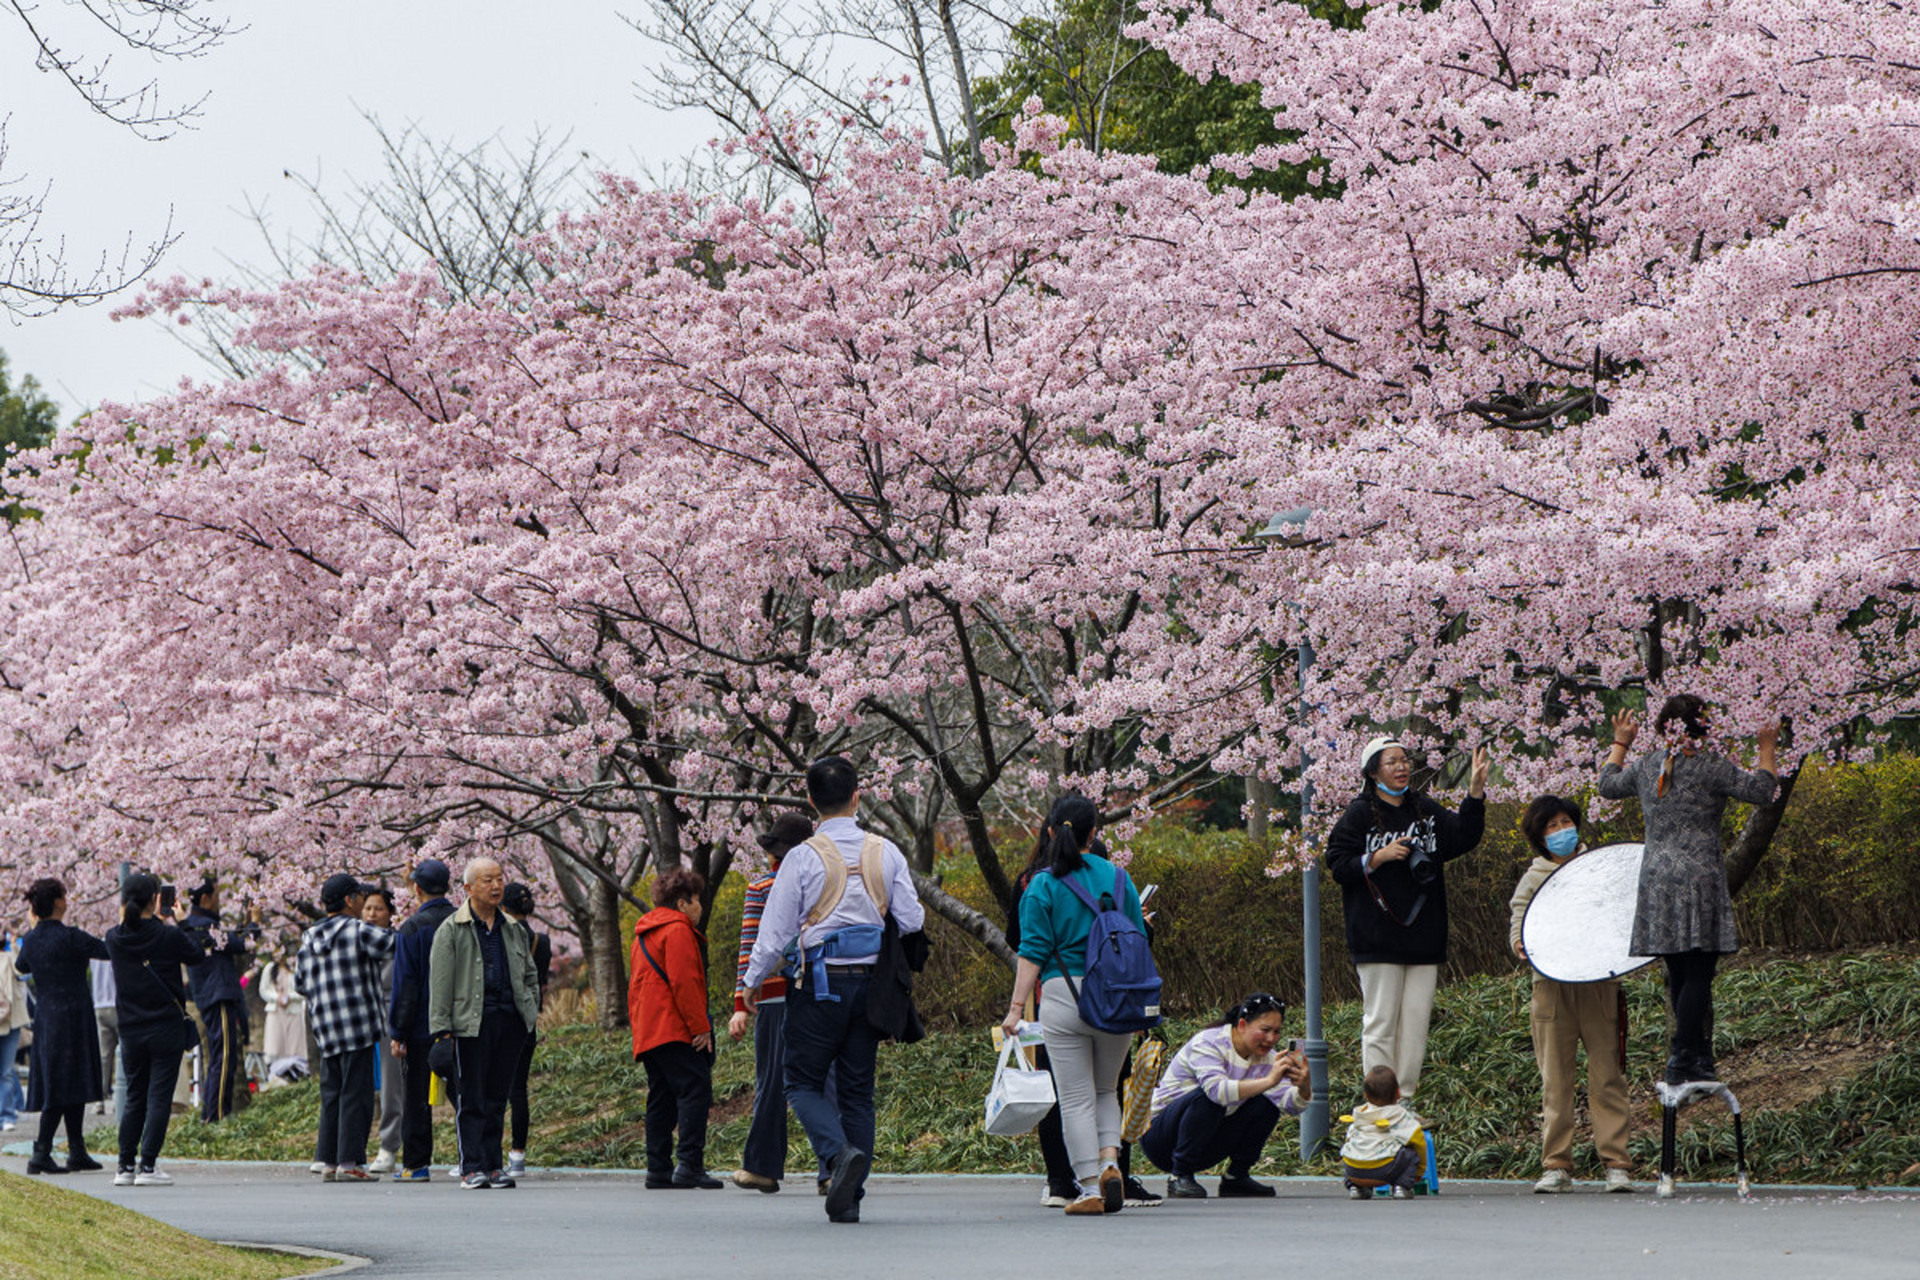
column 1422, row 865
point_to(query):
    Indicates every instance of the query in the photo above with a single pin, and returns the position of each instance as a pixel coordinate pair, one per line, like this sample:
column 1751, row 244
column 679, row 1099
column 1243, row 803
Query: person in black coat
column 518, row 903
column 1387, row 852
column 407, row 1018
column 65, row 1059
column 222, row 1001
column 155, row 1031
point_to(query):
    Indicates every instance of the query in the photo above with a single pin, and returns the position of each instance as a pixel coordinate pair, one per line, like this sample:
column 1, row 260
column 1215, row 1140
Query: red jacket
column 674, row 1009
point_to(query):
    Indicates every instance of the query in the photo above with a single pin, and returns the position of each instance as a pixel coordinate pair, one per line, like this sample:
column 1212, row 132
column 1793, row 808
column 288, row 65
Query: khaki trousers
column 1565, row 1016
column 1396, row 1003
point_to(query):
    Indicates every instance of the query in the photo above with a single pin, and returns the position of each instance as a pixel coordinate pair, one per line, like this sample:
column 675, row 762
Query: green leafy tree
column 27, row 421
column 1122, row 94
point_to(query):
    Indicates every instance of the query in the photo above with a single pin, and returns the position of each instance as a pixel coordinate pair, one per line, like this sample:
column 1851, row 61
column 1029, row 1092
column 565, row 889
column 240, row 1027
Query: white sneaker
column 317, row 1166
column 1402, row 1193
column 1359, row 1193
column 382, row 1163
column 516, row 1164
column 1552, row 1182
column 124, row 1178
column 152, row 1178
column 1619, row 1180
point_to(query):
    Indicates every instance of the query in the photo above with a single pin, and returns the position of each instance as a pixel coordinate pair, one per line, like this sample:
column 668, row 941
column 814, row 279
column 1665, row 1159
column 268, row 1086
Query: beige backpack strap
column 873, row 872
column 836, row 886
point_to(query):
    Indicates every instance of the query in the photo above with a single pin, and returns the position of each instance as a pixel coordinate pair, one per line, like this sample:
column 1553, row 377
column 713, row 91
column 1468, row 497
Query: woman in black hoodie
column 1386, row 853
column 147, row 953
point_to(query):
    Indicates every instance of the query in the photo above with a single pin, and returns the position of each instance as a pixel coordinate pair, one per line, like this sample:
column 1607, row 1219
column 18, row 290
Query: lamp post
column 1315, row 1121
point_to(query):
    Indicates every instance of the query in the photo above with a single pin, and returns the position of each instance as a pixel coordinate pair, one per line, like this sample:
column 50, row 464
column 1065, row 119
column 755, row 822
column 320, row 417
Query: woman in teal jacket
column 1053, row 947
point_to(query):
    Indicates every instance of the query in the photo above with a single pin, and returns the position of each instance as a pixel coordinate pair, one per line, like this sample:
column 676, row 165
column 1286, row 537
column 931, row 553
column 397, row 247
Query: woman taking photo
column 1085, row 1062
column 1387, row 852
column 1220, row 1098
column 1683, row 912
column 155, row 1031
column 64, row 1062
column 672, row 1032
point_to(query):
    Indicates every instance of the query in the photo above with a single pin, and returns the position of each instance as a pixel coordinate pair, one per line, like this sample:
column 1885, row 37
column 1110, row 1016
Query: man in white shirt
column 835, row 920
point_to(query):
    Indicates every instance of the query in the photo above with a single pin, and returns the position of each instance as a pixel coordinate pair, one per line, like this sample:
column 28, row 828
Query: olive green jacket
column 455, row 975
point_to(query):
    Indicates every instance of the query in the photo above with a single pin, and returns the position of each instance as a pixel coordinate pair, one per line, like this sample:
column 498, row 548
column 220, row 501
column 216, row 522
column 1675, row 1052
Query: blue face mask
column 1562, row 843
column 1387, row 790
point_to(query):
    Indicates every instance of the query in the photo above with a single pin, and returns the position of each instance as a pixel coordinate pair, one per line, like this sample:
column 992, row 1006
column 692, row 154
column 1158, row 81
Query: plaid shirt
column 338, row 971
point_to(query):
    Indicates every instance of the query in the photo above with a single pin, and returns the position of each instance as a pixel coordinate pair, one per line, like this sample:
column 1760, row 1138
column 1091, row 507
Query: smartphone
column 1298, row 1047
column 166, row 897
column 1146, row 894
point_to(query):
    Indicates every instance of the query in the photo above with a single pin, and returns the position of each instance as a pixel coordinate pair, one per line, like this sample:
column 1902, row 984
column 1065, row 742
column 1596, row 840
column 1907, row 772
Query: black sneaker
column 499, row 1180
column 1138, row 1197
column 1679, row 1070
column 1184, row 1186
column 475, row 1182
column 843, row 1188
column 1700, row 1067
column 696, row 1179
column 1243, row 1186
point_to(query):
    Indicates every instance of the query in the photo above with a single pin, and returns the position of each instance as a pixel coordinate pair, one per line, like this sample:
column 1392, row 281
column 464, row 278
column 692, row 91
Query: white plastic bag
column 1021, row 1095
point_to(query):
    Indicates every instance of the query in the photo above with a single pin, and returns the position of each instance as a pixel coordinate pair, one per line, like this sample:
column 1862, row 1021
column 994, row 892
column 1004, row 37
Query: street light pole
column 1316, row 1120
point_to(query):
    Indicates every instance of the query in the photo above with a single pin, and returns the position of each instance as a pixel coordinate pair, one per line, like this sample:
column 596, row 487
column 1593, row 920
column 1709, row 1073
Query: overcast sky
column 287, row 93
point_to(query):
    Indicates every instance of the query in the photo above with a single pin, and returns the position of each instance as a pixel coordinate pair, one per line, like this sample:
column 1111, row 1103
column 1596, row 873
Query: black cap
column 518, row 899
column 339, row 887
column 788, row 830
column 432, row 875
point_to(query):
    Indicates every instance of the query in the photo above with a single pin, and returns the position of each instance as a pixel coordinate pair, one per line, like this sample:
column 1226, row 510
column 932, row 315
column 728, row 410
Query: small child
column 1385, row 1143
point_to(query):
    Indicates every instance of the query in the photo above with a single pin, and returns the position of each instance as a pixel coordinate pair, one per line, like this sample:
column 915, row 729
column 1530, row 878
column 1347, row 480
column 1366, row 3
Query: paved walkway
column 598, row 1224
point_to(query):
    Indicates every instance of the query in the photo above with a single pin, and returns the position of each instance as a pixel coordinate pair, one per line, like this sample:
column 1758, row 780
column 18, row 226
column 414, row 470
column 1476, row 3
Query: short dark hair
column 42, row 894
column 789, row 829
column 1688, row 709
column 831, row 782
column 371, row 890
column 1533, row 824
column 677, row 885
column 1381, row 1086
column 201, row 890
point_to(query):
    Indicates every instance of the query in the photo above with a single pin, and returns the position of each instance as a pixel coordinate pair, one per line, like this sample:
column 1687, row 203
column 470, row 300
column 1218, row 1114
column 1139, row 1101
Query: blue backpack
column 1121, row 988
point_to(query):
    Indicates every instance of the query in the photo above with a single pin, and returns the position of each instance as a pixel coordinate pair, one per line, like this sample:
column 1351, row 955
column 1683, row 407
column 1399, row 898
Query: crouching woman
column 1220, row 1098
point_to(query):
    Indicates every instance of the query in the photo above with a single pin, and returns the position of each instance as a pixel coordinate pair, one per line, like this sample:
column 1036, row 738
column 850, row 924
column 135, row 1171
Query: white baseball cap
column 1374, row 748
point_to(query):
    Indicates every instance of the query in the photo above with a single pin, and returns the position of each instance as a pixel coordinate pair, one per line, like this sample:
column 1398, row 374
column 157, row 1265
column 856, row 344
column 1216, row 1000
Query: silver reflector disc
column 1579, row 926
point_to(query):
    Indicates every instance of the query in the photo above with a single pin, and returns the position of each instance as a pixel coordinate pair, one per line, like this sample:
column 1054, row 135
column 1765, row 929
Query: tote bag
column 1021, row 1095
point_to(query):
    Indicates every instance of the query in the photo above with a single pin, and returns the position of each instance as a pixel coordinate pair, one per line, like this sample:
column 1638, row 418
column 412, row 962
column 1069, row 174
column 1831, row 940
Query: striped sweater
column 1209, row 1063
column 774, row 989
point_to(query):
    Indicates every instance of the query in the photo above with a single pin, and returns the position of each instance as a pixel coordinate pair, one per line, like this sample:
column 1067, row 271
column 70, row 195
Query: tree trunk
column 1756, row 834
column 1260, row 798
column 973, row 923
column 606, row 957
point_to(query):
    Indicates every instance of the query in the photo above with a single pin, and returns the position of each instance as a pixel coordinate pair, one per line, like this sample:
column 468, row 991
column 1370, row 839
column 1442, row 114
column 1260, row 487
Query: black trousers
column 486, row 1064
column 416, row 1113
column 517, row 1100
column 152, row 1058
column 346, row 1107
column 1690, row 989
column 226, row 1025
column 679, row 1095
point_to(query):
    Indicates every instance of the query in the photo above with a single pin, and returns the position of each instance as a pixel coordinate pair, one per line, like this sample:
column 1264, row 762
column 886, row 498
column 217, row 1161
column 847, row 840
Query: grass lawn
column 1824, row 1052
column 64, row 1235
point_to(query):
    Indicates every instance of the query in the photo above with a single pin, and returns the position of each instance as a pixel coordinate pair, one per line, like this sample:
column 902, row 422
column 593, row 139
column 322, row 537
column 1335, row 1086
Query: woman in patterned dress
column 1684, row 913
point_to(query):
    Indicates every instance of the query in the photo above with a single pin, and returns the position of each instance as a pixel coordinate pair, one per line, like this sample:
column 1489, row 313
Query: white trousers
column 1086, row 1078
column 1396, row 1002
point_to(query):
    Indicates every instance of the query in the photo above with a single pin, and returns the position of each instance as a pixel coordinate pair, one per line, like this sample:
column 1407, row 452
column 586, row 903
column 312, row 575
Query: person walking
column 338, row 971
column 517, row 902
column 1683, row 911
column 1566, row 1015
column 15, row 1018
column 156, row 1030
column 63, row 1073
column 483, row 997
column 763, row 1157
column 389, row 1081
column 1386, row 852
column 411, row 1041
column 672, row 1032
column 1084, row 1060
column 222, row 1001
column 830, row 901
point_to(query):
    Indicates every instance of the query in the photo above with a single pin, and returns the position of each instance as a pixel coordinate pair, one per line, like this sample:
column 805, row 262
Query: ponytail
column 1070, row 825
column 137, row 893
